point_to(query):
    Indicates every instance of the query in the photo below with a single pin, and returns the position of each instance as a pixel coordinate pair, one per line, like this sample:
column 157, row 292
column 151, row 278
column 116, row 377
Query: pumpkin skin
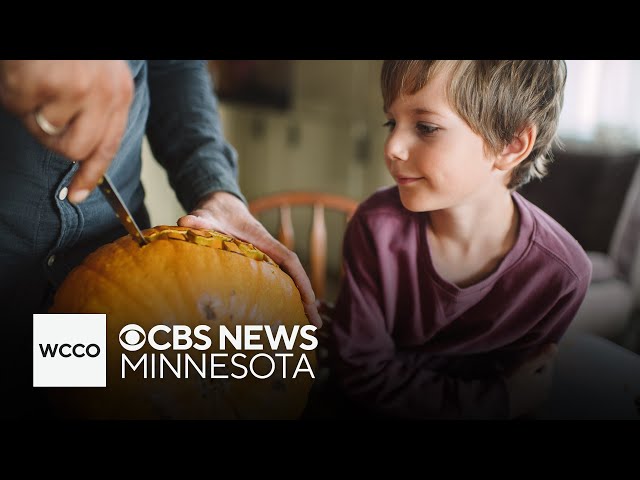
column 187, row 277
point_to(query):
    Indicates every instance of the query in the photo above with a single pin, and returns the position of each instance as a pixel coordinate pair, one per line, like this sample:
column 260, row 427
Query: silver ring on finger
column 46, row 126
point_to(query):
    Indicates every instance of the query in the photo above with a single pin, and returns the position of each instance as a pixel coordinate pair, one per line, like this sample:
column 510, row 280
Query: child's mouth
column 406, row 180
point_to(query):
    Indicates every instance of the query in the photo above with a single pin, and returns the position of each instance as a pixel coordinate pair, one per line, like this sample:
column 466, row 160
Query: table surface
column 594, row 379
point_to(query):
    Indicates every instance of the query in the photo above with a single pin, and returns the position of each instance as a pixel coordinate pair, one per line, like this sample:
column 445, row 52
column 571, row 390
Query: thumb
column 194, row 221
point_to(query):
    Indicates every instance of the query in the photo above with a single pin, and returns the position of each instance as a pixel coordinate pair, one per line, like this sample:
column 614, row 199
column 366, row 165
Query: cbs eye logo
column 132, row 337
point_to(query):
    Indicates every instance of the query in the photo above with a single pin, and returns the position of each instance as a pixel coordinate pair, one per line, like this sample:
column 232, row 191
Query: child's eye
column 390, row 124
column 425, row 129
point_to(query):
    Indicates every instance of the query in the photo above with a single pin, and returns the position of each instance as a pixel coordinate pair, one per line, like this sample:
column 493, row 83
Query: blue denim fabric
column 42, row 237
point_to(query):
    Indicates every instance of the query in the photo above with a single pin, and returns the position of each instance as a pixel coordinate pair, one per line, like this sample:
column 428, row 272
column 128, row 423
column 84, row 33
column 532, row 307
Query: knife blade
column 122, row 212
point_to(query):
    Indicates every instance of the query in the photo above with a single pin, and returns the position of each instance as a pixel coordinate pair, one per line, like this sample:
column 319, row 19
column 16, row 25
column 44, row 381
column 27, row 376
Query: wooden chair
column 322, row 397
column 283, row 202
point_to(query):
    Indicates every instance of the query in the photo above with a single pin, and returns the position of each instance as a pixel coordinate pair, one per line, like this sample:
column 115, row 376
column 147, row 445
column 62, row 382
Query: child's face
column 435, row 158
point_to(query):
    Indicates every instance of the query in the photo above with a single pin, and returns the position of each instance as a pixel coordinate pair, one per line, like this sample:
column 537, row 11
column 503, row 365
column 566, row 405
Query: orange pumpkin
column 188, row 277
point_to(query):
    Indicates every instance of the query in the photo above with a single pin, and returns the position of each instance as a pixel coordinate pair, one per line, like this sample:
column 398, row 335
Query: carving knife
column 122, row 212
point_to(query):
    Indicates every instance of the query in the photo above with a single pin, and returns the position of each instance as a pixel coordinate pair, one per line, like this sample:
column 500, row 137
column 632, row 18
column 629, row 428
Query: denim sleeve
column 185, row 133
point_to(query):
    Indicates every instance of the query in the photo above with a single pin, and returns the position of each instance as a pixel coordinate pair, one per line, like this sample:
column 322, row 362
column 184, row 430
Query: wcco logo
column 79, row 350
column 69, row 350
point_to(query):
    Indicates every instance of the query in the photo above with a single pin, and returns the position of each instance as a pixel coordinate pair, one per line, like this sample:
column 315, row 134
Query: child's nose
column 395, row 148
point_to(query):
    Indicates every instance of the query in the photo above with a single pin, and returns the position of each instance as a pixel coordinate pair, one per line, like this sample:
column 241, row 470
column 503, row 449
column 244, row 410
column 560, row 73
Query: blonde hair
column 497, row 99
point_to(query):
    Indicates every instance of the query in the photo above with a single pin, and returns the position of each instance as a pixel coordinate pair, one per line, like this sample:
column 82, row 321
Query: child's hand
column 528, row 384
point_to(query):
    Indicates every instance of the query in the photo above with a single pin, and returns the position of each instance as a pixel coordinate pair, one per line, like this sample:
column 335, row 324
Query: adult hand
column 226, row 213
column 529, row 382
column 78, row 108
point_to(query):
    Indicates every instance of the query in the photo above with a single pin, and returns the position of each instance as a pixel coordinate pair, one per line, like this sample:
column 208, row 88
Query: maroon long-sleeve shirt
column 407, row 343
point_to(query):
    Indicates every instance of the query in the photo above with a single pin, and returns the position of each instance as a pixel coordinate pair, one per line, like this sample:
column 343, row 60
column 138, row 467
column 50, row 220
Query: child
column 456, row 288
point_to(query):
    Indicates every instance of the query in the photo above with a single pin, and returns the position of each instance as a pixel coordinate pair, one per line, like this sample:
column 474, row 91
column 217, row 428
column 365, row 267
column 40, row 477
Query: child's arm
column 378, row 377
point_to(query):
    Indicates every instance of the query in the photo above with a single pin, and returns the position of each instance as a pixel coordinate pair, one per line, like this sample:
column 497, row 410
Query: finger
column 290, row 263
column 196, row 221
column 312, row 315
column 59, row 115
column 87, row 132
column 94, row 167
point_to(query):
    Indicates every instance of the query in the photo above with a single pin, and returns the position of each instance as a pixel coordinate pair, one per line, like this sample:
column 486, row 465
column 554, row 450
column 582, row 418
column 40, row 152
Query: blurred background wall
column 329, row 137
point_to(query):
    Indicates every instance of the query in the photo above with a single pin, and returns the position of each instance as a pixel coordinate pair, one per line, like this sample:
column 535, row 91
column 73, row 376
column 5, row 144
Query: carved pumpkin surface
column 188, row 277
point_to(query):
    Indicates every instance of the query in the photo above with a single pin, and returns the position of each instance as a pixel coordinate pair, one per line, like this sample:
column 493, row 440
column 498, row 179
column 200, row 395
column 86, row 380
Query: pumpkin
column 189, row 277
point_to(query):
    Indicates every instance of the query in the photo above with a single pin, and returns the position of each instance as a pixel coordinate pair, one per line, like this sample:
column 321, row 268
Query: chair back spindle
column 320, row 203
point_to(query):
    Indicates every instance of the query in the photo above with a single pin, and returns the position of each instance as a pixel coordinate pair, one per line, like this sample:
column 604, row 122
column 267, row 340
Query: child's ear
column 519, row 149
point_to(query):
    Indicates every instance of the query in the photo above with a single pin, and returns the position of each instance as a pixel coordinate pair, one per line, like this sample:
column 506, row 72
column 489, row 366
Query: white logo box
column 75, row 348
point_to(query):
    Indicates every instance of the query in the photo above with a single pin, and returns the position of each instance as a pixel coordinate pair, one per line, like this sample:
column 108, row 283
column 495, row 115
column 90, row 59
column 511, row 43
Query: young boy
column 456, row 288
